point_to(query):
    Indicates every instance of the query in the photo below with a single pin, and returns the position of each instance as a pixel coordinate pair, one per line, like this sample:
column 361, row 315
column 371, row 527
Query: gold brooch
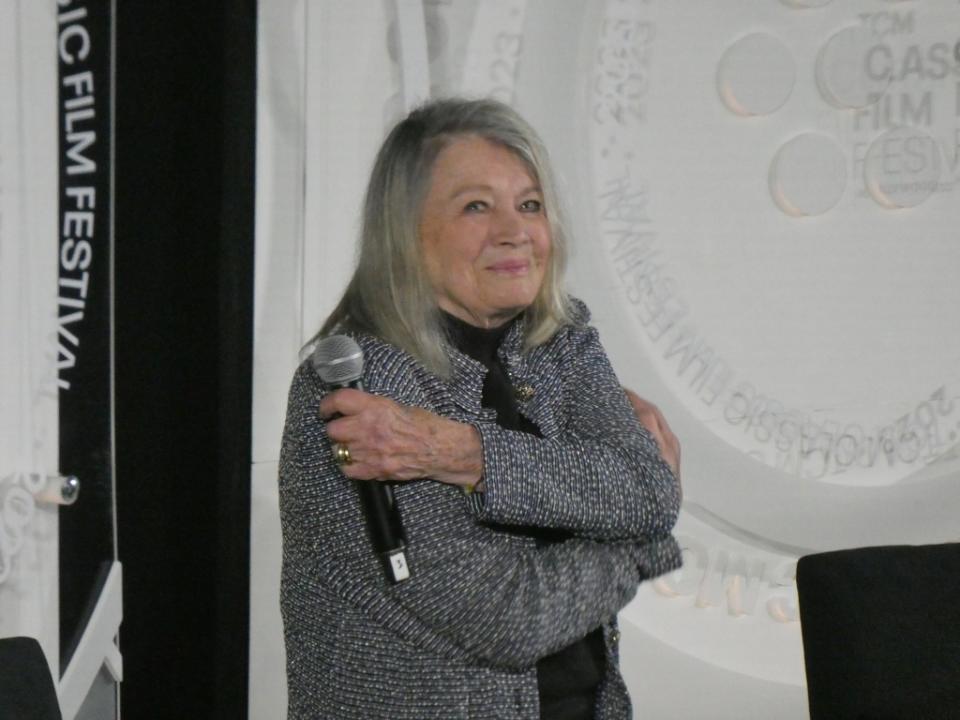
column 523, row 392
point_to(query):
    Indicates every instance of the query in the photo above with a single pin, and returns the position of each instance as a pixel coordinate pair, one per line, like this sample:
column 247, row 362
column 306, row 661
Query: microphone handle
column 383, row 521
column 386, row 531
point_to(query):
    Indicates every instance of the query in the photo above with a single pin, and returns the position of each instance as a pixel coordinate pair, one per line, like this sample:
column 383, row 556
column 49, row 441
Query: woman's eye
column 531, row 206
column 475, row 206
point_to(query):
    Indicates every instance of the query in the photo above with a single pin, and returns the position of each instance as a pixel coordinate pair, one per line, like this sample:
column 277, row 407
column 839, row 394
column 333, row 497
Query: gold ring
column 342, row 454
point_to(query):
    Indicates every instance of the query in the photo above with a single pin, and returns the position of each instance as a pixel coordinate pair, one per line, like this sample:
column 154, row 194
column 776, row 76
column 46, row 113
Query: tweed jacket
column 461, row 637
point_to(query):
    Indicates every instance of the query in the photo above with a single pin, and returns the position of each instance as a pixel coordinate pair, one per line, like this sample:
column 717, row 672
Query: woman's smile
column 510, row 267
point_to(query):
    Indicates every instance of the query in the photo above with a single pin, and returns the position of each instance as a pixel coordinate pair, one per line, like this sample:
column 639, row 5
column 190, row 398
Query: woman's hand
column 653, row 420
column 389, row 441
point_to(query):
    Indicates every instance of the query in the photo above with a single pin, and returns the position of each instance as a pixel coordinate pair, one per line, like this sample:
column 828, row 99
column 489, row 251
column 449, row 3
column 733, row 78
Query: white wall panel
column 278, row 306
column 278, row 314
column 268, row 680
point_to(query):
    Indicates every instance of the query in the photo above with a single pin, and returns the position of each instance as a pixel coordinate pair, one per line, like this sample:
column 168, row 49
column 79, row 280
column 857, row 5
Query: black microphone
column 338, row 361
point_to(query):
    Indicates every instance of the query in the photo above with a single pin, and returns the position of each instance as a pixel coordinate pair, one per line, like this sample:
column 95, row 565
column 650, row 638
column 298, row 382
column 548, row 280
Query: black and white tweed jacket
column 461, row 637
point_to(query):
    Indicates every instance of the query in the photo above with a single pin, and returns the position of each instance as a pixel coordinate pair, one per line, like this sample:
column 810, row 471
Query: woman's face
column 484, row 233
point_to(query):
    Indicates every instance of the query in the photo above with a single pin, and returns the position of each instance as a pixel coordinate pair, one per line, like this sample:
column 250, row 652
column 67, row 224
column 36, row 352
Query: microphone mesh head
column 338, row 360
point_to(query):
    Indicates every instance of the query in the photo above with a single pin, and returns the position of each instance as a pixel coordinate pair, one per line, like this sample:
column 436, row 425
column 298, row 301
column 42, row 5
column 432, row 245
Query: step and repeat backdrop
column 765, row 203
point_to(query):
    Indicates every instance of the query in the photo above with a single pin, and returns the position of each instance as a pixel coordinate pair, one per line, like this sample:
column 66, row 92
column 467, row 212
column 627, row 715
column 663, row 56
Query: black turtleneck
column 568, row 679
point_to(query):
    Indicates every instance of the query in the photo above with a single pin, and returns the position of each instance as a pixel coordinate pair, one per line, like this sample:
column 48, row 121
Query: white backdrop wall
column 764, row 197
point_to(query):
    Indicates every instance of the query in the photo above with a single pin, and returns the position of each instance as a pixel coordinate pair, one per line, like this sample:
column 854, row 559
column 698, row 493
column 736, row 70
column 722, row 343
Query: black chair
column 881, row 632
column 26, row 687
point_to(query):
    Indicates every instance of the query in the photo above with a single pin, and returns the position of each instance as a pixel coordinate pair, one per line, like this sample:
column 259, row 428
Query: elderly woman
column 533, row 500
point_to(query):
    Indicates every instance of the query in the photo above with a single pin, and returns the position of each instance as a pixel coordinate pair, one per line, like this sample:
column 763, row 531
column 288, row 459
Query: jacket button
column 523, row 392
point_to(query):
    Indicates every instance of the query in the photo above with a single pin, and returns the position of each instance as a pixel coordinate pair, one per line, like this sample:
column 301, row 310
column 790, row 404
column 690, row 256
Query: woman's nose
column 510, row 227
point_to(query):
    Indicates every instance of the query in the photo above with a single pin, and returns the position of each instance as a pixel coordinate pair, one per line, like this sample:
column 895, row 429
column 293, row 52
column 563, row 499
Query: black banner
column 84, row 352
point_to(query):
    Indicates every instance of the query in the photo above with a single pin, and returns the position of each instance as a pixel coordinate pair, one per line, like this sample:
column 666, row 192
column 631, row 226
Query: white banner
column 28, row 321
column 765, row 202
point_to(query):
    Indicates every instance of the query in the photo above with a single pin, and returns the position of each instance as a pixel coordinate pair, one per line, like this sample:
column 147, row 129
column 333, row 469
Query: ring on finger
column 342, row 454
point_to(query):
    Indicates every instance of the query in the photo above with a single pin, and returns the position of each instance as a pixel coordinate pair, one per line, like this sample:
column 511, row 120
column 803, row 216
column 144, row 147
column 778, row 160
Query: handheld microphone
column 338, row 361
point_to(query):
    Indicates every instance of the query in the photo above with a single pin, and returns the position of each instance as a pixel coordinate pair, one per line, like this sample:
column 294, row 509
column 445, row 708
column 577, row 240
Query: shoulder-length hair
column 389, row 295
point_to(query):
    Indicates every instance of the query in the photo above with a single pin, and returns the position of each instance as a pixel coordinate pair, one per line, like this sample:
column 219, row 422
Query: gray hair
column 389, row 295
